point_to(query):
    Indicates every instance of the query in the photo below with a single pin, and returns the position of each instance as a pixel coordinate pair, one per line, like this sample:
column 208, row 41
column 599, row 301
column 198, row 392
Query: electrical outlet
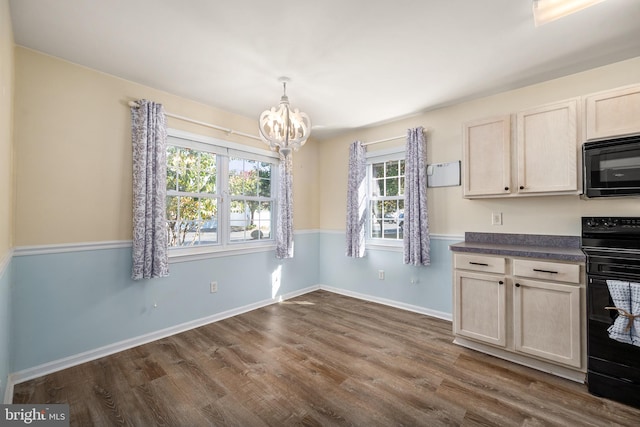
column 213, row 287
column 496, row 218
column 380, row 274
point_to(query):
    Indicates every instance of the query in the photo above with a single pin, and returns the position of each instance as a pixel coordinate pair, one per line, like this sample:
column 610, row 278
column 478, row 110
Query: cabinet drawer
column 547, row 270
column 480, row 263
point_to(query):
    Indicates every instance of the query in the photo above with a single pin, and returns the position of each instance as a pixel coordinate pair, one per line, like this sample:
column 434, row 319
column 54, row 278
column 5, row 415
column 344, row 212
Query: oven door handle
column 545, row 271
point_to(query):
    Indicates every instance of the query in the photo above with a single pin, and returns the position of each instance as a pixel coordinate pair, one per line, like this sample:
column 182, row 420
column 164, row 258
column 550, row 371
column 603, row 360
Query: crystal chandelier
column 283, row 128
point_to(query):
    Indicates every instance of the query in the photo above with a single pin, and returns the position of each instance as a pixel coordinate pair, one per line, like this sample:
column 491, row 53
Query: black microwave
column 612, row 167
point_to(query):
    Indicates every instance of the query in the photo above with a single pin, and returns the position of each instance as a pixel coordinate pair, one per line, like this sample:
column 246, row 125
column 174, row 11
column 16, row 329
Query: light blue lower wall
column 68, row 303
column 5, row 325
column 63, row 304
column 427, row 288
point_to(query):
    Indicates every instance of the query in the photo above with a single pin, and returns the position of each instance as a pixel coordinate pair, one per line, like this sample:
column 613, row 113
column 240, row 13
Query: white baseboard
column 8, row 391
column 391, row 303
column 87, row 356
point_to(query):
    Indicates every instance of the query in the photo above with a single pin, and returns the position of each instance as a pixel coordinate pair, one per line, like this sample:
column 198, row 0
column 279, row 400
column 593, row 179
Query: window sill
column 206, row 252
column 382, row 246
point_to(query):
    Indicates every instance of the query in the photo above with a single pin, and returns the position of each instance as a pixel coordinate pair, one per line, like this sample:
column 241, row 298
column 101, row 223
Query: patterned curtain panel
column 284, row 226
column 416, row 222
column 149, row 138
column 356, row 200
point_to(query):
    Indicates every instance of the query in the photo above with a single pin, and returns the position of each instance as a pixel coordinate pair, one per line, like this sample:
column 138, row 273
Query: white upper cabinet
column 487, row 155
column 543, row 157
column 547, row 147
column 613, row 113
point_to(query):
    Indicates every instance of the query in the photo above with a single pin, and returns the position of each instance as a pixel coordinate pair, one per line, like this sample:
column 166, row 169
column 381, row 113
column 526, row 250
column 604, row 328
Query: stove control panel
column 611, row 224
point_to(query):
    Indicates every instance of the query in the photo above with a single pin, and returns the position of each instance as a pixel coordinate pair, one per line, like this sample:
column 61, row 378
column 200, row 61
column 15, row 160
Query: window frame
column 271, row 199
column 391, row 154
column 224, row 151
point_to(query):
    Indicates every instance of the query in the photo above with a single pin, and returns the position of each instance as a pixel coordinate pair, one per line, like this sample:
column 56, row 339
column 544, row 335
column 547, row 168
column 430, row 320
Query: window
column 218, row 195
column 386, row 198
column 192, row 197
column 251, row 202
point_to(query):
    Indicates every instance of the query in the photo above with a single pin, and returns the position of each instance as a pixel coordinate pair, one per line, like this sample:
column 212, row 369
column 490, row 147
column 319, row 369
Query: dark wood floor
column 317, row 360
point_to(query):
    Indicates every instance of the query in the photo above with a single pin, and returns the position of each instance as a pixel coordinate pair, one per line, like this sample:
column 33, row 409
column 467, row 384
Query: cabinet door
column 487, row 157
column 547, row 321
column 613, row 113
column 479, row 307
column 547, row 144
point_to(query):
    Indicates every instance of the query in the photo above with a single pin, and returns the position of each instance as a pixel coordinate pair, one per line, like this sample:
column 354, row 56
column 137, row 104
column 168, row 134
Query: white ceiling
column 352, row 63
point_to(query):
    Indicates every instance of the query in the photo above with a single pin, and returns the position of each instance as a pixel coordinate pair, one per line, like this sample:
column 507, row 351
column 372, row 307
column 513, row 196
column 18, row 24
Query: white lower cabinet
column 481, row 307
column 546, row 321
column 528, row 308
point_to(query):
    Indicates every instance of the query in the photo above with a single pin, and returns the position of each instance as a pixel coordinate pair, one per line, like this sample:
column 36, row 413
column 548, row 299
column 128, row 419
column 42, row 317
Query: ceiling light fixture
column 283, row 127
column 545, row 11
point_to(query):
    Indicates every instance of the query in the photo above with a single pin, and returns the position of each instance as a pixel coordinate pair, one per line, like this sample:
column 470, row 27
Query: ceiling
column 352, row 63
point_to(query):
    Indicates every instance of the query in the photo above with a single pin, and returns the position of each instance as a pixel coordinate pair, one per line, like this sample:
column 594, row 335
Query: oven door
column 612, row 168
column 607, row 356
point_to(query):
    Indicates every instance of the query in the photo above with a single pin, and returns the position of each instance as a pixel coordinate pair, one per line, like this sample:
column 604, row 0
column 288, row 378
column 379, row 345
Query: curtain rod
column 393, row 138
column 198, row 122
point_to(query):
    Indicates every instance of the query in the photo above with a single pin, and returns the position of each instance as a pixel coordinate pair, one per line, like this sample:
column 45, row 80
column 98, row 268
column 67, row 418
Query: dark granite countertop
column 559, row 248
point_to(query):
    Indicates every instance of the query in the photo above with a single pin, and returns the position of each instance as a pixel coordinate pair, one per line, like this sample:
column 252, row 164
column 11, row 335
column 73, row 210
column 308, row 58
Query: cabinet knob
column 506, row 188
column 500, row 282
column 522, row 187
column 517, row 285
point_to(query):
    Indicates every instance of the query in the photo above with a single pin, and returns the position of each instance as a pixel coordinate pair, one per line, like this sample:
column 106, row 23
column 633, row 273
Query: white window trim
column 194, row 253
column 396, row 153
column 395, row 246
column 211, row 142
column 228, row 149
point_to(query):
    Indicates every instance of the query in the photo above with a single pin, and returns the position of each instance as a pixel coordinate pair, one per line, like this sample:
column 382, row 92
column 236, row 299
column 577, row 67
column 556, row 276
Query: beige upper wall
column 449, row 213
column 6, row 126
column 73, row 161
column 73, row 156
